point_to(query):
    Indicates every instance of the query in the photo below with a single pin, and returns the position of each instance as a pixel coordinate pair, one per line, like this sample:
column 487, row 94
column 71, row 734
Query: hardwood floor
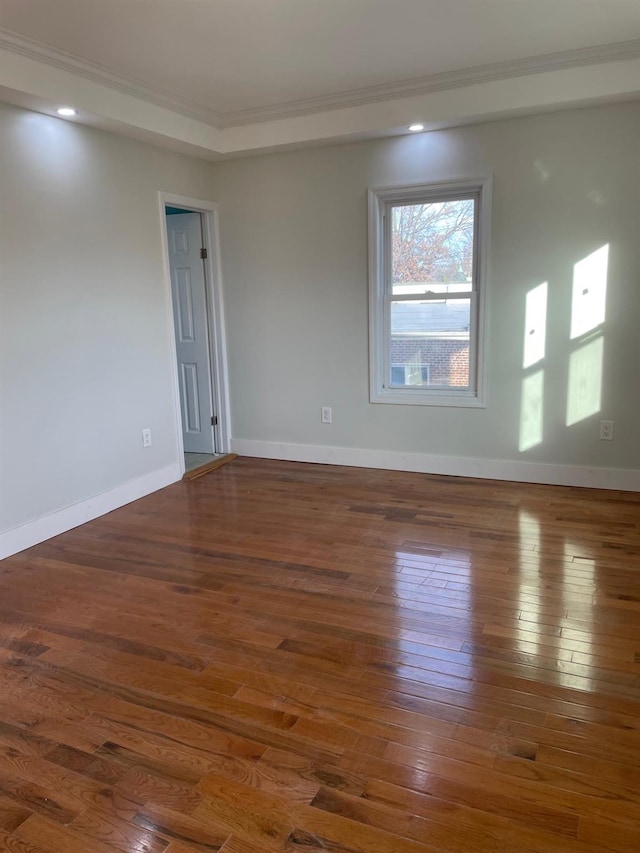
column 288, row 657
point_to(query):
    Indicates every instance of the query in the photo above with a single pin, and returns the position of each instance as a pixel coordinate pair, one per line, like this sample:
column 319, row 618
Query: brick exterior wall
column 448, row 360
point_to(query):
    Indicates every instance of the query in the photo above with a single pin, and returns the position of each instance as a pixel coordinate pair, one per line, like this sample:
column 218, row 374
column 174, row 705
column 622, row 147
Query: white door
column 184, row 232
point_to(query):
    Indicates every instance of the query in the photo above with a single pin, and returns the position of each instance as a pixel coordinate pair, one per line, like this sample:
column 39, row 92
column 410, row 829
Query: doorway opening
column 191, row 257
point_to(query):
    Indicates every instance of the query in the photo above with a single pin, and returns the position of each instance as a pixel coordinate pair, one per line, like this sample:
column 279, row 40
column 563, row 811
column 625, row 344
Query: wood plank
column 335, row 659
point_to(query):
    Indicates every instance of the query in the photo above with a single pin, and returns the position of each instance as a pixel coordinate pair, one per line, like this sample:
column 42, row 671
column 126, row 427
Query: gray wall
column 84, row 346
column 85, row 359
column 294, row 241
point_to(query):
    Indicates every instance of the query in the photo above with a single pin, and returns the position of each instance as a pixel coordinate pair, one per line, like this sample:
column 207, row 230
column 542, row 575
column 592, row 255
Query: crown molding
column 417, row 86
column 100, row 74
column 614, row 52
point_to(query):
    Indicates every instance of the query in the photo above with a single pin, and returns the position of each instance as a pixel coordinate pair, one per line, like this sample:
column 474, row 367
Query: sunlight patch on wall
column 585, row 381
column 535, row 325
column 532, row 410
column 588, row 305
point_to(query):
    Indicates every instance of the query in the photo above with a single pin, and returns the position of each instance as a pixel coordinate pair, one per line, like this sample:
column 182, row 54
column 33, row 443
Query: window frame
column 380, row 201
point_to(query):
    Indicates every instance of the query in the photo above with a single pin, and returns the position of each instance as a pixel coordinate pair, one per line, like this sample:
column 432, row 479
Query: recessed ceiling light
column 416, row 128
column 67, row 111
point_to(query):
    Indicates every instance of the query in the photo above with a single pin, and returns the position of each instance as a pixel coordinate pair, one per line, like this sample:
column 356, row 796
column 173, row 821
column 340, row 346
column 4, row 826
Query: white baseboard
column 19, row 538
column 459, row 466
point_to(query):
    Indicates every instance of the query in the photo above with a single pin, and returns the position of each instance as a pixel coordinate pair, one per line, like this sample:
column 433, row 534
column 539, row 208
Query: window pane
column 432, row 244
column 430, row 343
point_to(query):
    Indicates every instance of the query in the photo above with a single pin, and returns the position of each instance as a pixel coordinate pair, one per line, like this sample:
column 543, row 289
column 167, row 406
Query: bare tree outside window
column 433, row 242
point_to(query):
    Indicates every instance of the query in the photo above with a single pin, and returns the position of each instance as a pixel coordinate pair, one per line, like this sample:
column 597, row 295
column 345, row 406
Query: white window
column 427, row 261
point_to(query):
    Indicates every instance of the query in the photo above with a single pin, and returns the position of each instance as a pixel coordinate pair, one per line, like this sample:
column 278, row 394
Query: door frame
column 215, row 318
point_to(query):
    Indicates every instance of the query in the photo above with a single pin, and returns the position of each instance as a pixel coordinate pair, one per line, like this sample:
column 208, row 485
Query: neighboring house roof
column 441, row 319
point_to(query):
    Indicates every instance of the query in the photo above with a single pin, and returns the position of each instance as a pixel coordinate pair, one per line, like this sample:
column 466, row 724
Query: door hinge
column 214, row 420
column 204, row 254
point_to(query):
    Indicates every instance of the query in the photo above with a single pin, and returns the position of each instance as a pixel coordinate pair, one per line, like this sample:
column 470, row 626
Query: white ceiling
column 235, row 62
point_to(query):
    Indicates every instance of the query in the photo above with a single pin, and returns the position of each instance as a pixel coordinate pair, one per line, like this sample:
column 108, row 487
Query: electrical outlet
column 325, row 415
column 606, row 430
column 146, row 438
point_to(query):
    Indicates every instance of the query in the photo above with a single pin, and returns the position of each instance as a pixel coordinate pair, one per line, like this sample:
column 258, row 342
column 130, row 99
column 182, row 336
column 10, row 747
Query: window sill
column 412, row 397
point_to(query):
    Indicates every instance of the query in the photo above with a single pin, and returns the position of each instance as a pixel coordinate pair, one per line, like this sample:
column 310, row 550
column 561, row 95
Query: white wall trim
column 29, row 534
column 65, row 61
column 33, row 532
column 37, row 77
column 458, row 466
column 541, row 92
column 460, row 78
column 440, row 82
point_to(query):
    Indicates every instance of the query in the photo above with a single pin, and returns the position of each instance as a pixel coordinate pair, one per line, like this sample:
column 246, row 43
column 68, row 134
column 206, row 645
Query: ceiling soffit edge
column 614, row 52
column 32, row 49
column 105, row 76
